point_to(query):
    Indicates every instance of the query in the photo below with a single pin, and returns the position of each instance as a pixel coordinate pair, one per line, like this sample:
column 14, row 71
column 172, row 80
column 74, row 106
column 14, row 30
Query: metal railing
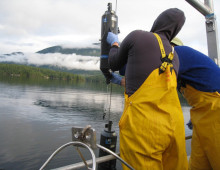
column 207, row 9
column 68, row 144
column 89, row 144
column 89, row 162
column 86, row 138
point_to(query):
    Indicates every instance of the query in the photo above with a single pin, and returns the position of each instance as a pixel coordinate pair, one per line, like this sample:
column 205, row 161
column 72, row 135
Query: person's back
column 198, row 70
column 151, row 128
column 199, row 82
column 141, row 52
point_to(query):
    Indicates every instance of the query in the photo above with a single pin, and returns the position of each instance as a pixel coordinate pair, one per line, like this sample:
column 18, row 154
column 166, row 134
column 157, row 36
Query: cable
column 110, row 99
column 116, row 6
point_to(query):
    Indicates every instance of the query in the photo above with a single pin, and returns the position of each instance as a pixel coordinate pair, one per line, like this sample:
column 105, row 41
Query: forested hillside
column 77, row 51
column 29, row 72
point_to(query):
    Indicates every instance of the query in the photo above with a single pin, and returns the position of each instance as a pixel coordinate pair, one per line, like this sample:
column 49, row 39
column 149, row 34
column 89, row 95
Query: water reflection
column 35, row 120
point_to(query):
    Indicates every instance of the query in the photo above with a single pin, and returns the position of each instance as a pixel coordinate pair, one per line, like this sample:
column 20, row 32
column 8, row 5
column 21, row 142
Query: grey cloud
column 52, row 22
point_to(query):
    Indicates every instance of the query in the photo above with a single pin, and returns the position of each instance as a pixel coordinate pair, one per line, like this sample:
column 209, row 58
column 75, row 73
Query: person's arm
column 123, row 82
column 117, row 79
column 118, row 55
column 190, row 125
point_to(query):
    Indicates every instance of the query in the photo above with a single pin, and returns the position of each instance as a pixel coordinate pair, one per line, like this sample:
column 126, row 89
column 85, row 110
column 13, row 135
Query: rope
column 110, row 99
column 83, row 159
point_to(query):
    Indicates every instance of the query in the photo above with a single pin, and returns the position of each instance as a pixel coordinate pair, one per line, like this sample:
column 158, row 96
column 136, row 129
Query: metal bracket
column 210, row 22
column 86, row 135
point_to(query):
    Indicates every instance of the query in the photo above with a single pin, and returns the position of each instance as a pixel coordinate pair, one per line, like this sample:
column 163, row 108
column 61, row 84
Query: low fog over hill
column 77, row 60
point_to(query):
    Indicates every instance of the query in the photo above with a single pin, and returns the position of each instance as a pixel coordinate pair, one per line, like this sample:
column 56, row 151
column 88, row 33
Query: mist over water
column 68, row 61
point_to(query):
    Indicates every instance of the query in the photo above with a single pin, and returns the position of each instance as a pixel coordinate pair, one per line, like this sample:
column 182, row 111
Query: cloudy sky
column 32, row 25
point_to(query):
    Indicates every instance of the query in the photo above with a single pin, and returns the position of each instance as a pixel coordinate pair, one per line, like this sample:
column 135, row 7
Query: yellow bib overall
column 152, row 135
column 205, row 117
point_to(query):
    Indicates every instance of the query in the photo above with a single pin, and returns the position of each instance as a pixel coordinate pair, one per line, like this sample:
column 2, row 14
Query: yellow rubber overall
column 152, row 135
column 205, row 117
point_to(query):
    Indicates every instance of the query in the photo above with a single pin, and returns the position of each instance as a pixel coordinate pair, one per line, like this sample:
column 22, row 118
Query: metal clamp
column 210, row 22
column 86, row 135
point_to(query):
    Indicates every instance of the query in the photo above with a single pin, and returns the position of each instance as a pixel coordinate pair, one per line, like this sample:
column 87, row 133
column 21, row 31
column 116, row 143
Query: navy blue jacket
column 197, row 70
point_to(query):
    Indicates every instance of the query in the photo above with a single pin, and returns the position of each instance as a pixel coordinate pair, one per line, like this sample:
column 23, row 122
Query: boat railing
column 86, row 138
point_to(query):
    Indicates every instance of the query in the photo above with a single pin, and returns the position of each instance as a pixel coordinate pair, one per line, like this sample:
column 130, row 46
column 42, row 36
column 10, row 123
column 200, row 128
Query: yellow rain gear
column 205, row 117
column 152, row 135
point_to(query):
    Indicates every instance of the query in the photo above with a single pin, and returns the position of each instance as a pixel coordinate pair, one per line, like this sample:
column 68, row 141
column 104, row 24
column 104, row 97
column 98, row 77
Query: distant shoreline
column 35, row 73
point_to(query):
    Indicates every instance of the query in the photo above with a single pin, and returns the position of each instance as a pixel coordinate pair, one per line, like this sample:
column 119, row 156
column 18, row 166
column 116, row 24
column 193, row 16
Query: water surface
column 37, row 119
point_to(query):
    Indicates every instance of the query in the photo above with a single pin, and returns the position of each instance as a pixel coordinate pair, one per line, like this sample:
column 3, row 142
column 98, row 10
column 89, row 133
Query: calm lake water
column 37, row 119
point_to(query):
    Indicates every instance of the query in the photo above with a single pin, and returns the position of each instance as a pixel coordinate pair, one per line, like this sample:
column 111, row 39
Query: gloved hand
column 116, row 79
column 190, row 125
column 112, row 38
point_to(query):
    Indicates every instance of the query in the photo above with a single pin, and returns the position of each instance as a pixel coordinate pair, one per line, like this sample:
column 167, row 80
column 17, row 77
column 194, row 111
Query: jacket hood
column 169, row 23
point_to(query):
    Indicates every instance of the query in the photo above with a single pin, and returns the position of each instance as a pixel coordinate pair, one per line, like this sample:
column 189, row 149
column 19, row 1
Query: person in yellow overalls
column 199, row 82
column 152, row 135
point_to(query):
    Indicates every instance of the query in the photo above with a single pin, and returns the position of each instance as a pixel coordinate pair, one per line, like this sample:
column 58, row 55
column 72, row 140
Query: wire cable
column 116, row 6
column 110, row 99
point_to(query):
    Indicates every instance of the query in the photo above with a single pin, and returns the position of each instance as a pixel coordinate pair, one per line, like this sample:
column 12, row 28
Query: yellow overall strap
column 166, row 60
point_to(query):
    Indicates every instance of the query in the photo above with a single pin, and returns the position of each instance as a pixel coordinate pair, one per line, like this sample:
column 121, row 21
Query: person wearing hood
column 152, row 134
column 199, row 83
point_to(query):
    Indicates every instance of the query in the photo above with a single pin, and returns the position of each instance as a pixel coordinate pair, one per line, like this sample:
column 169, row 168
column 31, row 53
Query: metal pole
column 203, row 9
column 212, row 34
column 98, row 160
column 211, row 26
column 209, row 3
column 188, row 137
column 114, row 154
column 89, row 162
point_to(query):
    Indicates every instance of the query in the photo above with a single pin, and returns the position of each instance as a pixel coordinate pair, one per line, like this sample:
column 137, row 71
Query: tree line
column 30, row 72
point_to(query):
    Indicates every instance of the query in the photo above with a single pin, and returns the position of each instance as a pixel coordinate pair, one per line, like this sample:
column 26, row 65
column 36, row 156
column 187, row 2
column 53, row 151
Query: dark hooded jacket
column 140, row 49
